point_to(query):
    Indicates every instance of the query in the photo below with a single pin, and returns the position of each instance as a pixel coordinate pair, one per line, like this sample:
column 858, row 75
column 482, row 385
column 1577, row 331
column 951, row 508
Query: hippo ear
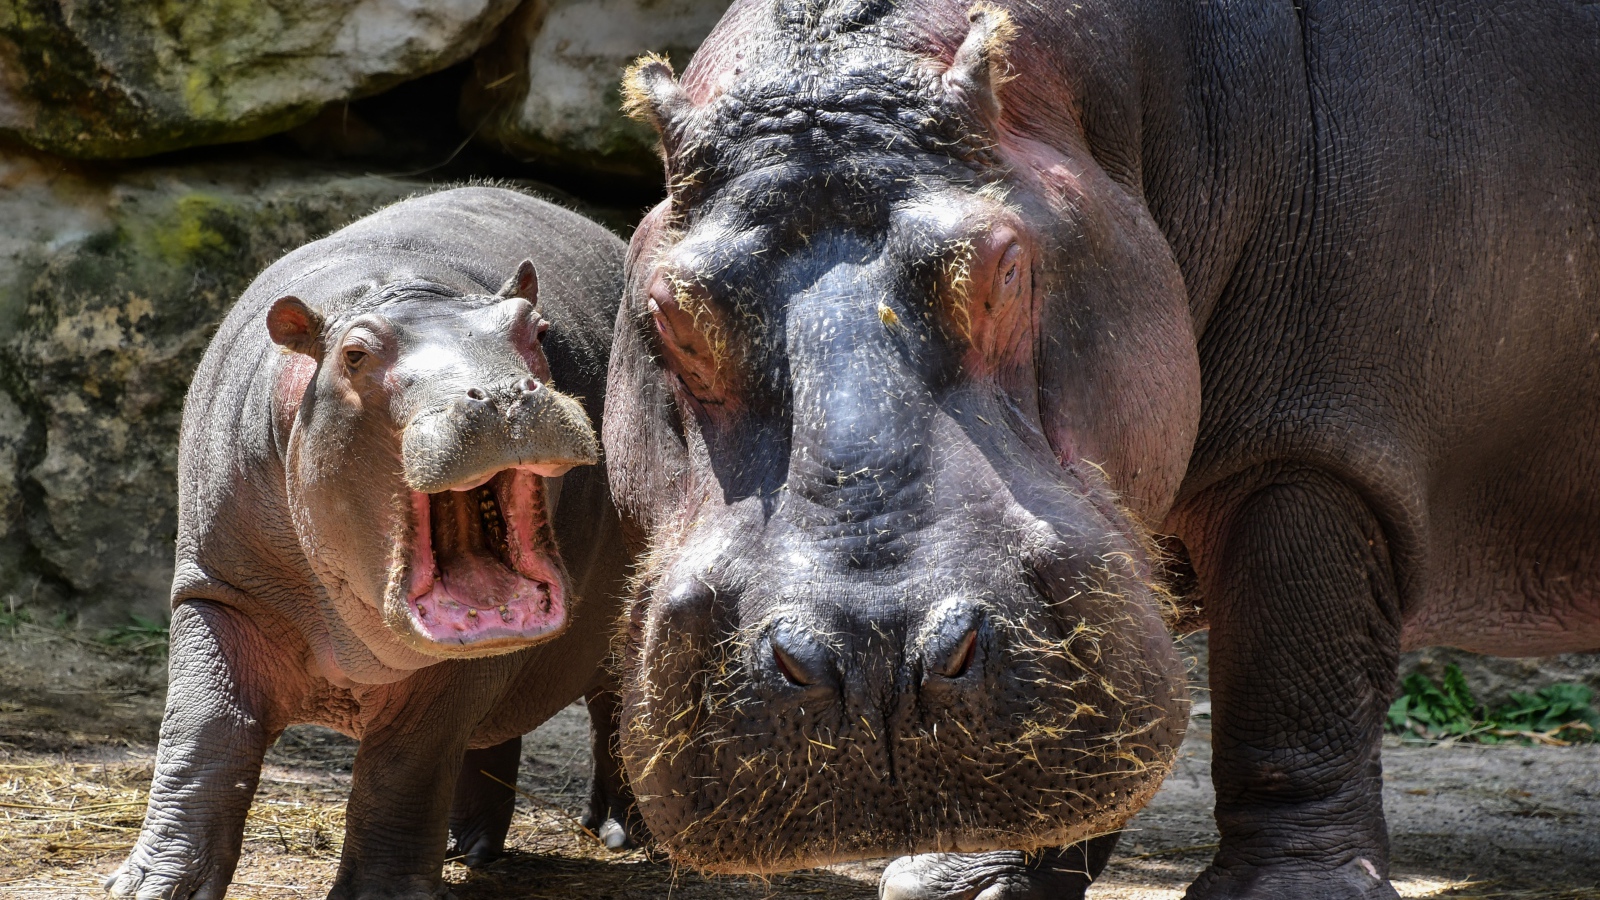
column 523, row 283
column 980, row 66
column 294, row 325
column 651, row 94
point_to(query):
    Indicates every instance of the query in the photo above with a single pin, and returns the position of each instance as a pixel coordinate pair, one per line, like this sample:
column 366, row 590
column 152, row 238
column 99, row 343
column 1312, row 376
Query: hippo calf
column 952, row 305
column 373, row 483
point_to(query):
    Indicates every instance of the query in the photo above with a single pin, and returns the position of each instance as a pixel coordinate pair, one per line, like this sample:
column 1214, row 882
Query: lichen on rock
column 110, row 288
column 128, row 78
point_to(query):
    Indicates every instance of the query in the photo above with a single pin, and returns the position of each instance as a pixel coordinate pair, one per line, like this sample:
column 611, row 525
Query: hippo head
column 418, row 462
column 893, row 387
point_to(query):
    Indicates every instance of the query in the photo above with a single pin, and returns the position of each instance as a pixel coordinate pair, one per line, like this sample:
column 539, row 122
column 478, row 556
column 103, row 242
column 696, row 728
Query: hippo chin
column 375, row 468
column 949, row 301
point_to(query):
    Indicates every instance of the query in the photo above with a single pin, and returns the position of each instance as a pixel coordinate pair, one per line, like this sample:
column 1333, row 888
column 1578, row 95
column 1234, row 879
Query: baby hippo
column 372, row 455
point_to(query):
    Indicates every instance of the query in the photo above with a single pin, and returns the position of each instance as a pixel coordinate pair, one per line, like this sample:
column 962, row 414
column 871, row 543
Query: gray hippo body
column 351, row 501
column 949, row 303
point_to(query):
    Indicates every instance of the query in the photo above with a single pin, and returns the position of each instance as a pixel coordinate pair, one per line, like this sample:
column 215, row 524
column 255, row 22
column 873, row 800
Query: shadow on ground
column 78, row 726
column 531, row 876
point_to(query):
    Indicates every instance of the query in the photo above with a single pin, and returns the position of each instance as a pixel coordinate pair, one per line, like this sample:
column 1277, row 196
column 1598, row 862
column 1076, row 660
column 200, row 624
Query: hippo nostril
column 956, row 664
column 530, row 385
column 789, row 667
column 950, row 642
column 477, row 395
column 800, row 660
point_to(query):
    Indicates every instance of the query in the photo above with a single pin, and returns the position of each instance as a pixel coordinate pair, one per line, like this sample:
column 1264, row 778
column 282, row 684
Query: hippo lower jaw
column 483, row 576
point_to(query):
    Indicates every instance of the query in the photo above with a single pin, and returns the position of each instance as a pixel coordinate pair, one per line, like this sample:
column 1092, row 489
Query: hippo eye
column 1011, row 267
column 353, row 357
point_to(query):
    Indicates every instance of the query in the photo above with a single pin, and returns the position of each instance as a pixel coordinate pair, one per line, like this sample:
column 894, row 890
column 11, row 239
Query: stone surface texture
column 110, row 287
column 127, row 78
column 548, row 88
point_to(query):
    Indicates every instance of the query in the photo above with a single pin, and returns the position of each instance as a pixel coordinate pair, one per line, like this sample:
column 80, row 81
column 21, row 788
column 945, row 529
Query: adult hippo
column 372, row 455
column 948, row 304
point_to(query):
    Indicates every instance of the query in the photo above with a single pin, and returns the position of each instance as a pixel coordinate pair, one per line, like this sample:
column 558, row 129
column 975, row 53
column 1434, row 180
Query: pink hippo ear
column 523, row 283
column 980, row 66
column 294, row 325
column 651, row 93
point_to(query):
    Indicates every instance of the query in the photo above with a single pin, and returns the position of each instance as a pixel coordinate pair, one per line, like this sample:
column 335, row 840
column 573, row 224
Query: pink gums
column 476, row 598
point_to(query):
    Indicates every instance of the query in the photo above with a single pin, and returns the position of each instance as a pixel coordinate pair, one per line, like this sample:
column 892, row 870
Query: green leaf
column 1447, row 710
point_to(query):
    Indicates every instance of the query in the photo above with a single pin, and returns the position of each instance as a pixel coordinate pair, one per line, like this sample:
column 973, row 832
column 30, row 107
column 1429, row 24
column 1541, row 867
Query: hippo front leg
column 1304, row 647
column 1002, row 875
column 405, row 777
column 213, row 738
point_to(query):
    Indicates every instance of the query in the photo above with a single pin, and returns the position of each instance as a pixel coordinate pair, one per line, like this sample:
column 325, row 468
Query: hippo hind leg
column 1001, row 875
column 613, row 817
column 480, row 814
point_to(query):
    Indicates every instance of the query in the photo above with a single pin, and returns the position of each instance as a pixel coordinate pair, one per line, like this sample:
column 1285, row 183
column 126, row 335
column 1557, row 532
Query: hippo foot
column 476, row 844
column 484, row 801
column 617, row 825
column 168, row 875
column 1000, row 875
column 414, row 888
column 612, row 817
column 1359, row 879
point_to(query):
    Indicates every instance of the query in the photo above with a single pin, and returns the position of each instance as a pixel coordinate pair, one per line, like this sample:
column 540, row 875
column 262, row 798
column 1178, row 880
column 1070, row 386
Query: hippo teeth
column 494, row 526
column 471, row 527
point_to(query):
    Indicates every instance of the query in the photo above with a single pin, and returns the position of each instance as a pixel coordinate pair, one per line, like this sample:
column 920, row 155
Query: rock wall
column 548, row 87
column 115, row 79
column 113, row 273
column 110, row 287
column 122, row 78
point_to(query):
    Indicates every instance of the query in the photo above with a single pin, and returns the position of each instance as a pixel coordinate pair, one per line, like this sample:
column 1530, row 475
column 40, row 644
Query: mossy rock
column 548, row 89
column 110, row 288
column 127, row 78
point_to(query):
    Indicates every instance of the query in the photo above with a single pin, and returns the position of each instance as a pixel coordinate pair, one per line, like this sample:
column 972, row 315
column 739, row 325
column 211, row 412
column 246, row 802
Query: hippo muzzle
column 480, row 567
column 525, row 424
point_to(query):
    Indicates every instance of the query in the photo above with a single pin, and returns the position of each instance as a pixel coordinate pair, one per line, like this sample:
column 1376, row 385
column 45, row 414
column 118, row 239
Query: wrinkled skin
column 374, row 474
column 942, row 309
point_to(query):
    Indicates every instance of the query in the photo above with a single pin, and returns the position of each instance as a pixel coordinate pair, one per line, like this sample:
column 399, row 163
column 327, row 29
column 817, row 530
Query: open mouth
column 484, row 563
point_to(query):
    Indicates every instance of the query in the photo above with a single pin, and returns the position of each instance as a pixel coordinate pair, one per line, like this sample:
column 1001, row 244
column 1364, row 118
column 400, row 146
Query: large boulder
column 110, row 287
column 126, row 78
column 548, row 88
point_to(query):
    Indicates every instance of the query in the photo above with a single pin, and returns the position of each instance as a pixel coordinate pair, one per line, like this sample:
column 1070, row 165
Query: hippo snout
column 520, row 423
column 940, row 716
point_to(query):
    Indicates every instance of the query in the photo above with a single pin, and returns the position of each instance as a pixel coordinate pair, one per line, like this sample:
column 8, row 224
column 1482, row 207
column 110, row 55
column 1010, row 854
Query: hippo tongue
column 482, row 564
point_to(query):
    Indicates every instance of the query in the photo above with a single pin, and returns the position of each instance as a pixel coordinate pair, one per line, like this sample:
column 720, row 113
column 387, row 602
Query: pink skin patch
column 482, row 563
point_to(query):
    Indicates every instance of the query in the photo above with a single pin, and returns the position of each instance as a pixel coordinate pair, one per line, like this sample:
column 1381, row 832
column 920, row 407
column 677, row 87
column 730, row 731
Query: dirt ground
column 78, row 723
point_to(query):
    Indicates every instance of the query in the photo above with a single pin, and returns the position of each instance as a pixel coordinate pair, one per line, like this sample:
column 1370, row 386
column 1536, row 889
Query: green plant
column 13, row 615
column 142, row 635
column 1561, row 710
column 1435, row 711
column 1559, row 714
